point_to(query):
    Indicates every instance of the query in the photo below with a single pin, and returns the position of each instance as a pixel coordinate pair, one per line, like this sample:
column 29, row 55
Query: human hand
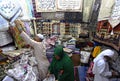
column 61, row 72
column 48, row 75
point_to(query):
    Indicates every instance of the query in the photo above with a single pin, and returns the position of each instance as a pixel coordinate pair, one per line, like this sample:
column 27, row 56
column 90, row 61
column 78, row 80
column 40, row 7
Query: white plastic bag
column 50, row 78
column 30, row 76
column 7, row 78
column 84, row 56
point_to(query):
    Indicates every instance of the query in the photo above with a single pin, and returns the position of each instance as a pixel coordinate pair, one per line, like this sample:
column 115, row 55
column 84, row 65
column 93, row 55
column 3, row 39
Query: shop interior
column 84, row 28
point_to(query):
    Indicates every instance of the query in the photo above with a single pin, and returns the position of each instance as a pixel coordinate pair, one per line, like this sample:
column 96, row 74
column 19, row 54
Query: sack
column 84, row 56
column 50, row 78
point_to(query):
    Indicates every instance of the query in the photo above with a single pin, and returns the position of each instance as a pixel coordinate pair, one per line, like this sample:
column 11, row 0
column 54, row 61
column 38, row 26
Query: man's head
column 39, row 38
column 109, row 55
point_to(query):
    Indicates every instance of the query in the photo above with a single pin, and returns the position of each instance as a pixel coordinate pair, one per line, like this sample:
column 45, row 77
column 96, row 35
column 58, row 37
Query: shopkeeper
column 39, row 50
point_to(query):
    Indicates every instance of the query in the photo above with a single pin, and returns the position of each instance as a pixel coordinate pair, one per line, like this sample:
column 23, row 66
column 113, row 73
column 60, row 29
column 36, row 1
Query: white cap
column 40, row 36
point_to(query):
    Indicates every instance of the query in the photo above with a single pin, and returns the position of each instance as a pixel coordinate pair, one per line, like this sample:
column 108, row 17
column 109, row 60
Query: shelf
column 107, row 43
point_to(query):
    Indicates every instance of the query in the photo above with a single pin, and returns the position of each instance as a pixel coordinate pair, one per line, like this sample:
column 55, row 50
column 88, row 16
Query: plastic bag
column 50, row 78
column 30, row 76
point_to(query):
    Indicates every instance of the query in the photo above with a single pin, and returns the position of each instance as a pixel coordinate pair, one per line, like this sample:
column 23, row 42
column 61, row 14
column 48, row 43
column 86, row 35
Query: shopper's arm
column 102, row 69
column 27, row 39
column 20, row 26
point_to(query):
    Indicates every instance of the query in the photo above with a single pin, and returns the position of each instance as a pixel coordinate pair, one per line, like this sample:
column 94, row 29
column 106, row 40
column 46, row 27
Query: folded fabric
column 5, row 38
column 3, row 24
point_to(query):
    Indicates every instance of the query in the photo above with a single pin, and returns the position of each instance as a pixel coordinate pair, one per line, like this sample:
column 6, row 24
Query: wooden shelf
column 107, row 43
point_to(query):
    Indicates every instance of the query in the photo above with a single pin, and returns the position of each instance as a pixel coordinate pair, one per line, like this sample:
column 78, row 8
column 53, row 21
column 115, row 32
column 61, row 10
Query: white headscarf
column 106, row 52
column 40, row 36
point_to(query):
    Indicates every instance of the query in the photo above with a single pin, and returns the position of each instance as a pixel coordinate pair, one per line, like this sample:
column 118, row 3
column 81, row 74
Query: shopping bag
column 50, row 78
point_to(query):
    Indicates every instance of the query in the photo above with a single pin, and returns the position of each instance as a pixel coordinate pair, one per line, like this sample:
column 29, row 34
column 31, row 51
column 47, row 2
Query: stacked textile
column 5, row 38
column 49, row 53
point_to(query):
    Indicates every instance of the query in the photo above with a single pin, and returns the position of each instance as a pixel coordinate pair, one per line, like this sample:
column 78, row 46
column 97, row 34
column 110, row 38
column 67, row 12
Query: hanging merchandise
column 115, row 17
column 27, row 9
column 87, row 9
column 56, row 28
column 18, row 40
column 9, row 8
column 104, row 29
column 16, row 34
column 28, row 28
column 69, row 5
column 3, row 24
column 105, row 9
column 58, row 5
column 45, row 5
column 15, row 17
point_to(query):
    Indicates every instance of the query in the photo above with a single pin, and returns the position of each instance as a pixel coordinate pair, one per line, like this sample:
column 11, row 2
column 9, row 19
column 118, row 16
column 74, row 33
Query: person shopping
column 61, row 66
column 101, row 66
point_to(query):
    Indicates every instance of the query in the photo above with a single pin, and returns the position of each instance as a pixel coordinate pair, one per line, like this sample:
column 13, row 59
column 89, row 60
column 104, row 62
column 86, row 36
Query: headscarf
column 106, row 52
column 59, row 51
column 40, row 36
column 64, row 63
